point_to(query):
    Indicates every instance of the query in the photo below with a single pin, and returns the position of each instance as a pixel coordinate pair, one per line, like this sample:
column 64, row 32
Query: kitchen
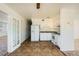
column 45, row 28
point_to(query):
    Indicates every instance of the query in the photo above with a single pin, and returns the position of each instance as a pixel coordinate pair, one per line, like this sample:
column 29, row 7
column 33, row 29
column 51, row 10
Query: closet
column 3, row 33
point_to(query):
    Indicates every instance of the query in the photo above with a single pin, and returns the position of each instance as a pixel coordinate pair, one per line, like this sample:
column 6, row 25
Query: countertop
column 55, row 32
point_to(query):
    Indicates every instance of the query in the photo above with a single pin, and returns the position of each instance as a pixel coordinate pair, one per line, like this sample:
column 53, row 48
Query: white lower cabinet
column 50, row 37
column 45, row 36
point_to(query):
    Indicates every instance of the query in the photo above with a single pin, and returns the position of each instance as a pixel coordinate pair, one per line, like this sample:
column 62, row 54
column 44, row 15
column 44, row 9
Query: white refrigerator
column 35, row 33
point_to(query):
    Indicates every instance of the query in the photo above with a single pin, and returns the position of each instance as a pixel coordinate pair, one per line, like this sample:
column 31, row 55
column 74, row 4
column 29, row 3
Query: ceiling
column 29, row 9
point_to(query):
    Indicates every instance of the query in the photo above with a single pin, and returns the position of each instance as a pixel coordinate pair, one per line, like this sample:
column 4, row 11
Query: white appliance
column 55, row 39
column 35, row 33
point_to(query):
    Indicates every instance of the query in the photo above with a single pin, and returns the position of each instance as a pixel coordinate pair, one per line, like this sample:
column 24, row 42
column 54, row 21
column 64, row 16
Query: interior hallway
column 42, row 48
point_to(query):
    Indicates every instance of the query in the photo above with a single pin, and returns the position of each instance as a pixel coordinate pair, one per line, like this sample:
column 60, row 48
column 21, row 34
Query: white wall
column 50, row 14
column 49, row 24
column 13, row 14
column 76, row 29
column 24, row 29
column 76, row 24
column 46, row 10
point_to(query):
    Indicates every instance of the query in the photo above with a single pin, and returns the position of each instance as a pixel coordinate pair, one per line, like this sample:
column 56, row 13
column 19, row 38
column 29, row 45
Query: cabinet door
column 42, row 36
column 49, row 36
column 45, row 36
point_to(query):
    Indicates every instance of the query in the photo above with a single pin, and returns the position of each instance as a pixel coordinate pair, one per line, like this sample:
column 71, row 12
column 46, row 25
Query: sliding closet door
column 15, row 34
column 3, row 33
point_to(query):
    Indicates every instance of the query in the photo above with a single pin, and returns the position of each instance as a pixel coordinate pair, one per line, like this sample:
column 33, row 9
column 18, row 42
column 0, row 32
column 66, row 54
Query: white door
column 66, row 29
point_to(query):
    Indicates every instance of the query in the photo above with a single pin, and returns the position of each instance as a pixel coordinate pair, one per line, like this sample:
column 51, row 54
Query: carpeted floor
column 37, row 49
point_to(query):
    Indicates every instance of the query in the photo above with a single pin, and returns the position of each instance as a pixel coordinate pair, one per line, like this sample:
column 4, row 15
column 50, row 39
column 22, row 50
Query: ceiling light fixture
column 37, row 5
